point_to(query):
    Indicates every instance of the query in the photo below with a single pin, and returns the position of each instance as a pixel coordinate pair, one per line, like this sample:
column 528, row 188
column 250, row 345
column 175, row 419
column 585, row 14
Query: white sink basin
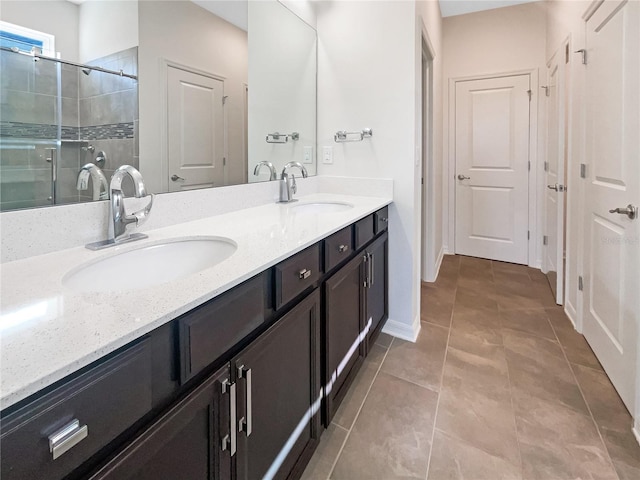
column 150, row 265
column 320, row 207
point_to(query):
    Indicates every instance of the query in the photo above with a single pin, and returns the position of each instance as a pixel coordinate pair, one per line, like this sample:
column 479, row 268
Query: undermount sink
column 150, row 265
column 321, row 207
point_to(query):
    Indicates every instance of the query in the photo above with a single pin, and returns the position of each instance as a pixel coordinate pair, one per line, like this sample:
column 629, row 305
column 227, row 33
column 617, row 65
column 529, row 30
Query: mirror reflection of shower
column 77, row 113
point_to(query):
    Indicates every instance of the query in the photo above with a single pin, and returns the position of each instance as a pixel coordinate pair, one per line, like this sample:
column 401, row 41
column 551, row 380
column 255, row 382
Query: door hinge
column 528, row 235
column 584, row 55
column 224, row 161
column 580, row 283
column 529, row 165
column 529, row 92
column 546, row 90
column 545, row 240
column 583, row 170
column 566, row 53
column 546, row 166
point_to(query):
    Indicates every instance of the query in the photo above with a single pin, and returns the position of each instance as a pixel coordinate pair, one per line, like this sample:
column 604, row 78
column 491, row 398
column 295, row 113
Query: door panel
column 554, row 199
column 195, row 130
column 492, row 151
column 613, row 148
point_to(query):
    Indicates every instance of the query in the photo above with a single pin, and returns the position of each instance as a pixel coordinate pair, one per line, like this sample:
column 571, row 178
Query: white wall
column 282, row 87
column 106, row 27
column 367, row 78
column 304, row 9
column 55, row 17
column 564, row 19
column 189, row 35
column 494, row 41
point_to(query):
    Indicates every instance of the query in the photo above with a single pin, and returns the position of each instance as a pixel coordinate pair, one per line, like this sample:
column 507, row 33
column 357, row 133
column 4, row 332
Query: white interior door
column 613, row 163
column 492, row 155
column 195, row 130
column 554, row 196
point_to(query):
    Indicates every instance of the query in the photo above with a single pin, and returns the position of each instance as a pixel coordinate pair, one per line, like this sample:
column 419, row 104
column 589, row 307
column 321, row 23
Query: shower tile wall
column 28, row 129
column 99, row 109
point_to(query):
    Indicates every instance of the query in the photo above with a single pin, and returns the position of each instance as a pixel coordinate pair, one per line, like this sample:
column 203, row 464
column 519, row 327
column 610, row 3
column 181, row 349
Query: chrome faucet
column 118, row 214
column 269, row 165
column 288, row 185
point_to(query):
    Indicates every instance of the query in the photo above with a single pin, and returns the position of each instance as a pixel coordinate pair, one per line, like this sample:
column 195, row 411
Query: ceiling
column 450, row 8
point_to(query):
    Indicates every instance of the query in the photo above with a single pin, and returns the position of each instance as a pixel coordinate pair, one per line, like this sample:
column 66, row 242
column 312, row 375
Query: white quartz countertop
column 48, row 331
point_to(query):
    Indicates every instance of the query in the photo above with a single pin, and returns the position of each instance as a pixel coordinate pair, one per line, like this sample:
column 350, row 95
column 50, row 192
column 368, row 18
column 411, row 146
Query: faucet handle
column 142, row 215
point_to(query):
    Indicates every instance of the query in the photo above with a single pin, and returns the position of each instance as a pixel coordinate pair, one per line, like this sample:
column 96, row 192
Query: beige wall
column 107, row 27
column 494, row 41
column 55, row 17
column 189, row 35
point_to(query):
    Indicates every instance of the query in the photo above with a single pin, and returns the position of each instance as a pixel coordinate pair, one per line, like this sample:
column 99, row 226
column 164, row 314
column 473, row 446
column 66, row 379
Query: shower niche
column 56, row 118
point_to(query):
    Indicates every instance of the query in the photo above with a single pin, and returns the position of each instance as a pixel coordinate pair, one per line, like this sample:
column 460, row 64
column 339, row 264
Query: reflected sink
column 150, row 265
column 321, row 207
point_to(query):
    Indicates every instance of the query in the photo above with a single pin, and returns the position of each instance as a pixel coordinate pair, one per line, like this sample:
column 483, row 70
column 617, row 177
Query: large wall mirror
column 194, row 93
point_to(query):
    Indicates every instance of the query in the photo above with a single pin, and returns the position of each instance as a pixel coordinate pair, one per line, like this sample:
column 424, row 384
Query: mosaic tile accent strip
column 107, row 132
column 46, row 131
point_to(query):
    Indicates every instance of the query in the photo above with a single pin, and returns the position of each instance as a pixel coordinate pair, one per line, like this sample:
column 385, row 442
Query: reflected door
column 554, row 193
column 612, row 252
column 195, row 130
column 492, row 154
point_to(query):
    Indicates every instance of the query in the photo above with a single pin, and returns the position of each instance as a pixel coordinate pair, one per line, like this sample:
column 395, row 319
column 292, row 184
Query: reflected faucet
column 269, row 165
column 288, row 185
column 118, row 213
column 98, row 181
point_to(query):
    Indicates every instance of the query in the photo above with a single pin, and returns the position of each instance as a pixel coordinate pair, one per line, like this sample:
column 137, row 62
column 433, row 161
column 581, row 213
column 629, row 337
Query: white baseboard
column 402, row 330
column 636, row 430
column 571, row 313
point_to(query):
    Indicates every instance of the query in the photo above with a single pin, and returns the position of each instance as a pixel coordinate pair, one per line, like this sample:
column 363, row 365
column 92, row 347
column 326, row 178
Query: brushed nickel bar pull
column 67, row 437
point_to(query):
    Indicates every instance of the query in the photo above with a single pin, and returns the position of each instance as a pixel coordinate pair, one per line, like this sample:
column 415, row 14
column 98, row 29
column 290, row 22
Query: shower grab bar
column 277, row 137
column 342, row 136
column 67, row 62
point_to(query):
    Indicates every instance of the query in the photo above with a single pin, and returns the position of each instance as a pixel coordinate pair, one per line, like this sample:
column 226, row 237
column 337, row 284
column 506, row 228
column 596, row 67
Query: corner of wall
column 402, row 330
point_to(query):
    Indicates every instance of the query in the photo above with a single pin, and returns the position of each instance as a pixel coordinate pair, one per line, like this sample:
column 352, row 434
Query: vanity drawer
column 363, row 231
column 209, row 331
column 94, row 408
column 296, row 274
column 381, row 220
column 337, row 248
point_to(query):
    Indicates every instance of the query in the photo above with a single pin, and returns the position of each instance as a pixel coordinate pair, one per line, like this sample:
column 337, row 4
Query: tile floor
column 498, row 386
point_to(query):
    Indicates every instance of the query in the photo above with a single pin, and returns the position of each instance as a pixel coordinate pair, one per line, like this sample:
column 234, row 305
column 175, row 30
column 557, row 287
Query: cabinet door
column 343, row 331
column 186, row 442
column 278, row 378
column 377, row 291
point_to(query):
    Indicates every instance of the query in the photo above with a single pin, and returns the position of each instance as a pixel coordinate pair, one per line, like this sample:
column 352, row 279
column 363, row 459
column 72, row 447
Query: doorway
column 491, row 154
column 429, row 262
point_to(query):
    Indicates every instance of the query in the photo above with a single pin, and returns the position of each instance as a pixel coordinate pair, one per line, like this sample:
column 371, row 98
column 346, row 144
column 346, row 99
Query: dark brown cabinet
column 377, row 288
column 191, row 441
column 344, row 309
column 237, row 388
column 278, row 379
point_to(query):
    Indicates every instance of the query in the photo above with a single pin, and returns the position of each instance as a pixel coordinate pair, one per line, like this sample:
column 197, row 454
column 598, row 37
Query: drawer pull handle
column 343, row 248
column 304, row 273
column 67, row 437
column 246, row 424
column 384, row 219
column 229, row 442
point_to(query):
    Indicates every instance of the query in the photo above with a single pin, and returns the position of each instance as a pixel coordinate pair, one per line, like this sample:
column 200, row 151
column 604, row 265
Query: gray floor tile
column 454, row 460
column 531, row 320
column 392, row 435
column 321, row 463
column 348, row 410
column 419, row 362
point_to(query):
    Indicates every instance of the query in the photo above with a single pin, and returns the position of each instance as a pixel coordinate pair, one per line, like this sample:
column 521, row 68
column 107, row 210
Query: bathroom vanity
column 231, row 380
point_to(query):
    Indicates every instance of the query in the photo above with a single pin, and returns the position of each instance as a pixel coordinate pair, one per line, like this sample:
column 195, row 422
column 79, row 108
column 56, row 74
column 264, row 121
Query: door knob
column 462, row 177
column 630, row 211
column 175, row 178
column 553, row 187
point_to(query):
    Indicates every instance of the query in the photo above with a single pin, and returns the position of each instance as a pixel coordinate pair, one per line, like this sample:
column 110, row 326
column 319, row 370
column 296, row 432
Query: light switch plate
column 327, row 155
column 308, row 155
